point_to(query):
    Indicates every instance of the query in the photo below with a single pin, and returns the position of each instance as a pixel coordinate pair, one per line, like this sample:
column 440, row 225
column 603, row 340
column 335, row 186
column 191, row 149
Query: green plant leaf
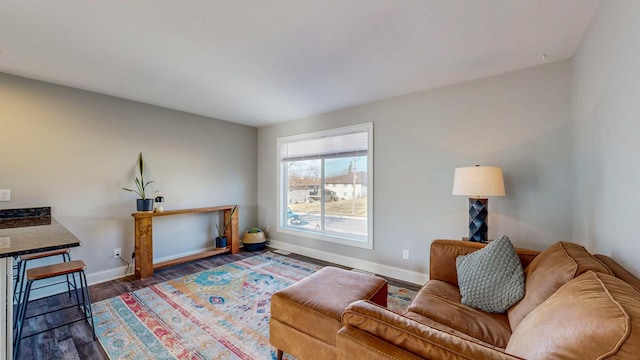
column 140, row 164
column 141, row 185
column 224, row 228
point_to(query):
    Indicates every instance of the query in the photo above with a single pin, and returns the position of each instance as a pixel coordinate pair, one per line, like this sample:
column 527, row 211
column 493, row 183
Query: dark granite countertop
column 26, row 235
column 25, row 222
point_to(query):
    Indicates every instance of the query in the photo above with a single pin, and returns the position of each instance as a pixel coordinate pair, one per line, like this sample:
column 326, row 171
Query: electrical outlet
column 5, row 195
column 405, row 254
column 117, row 252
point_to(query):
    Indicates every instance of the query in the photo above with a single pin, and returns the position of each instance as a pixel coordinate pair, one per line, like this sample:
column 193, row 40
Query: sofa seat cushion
column 380, row 334
column 593, row 316
column 551, row 269
column 438, row 325
column 441, row 302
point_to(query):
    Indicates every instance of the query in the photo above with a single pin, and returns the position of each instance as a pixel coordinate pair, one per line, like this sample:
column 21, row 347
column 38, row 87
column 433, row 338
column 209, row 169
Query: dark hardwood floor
column 76, row 341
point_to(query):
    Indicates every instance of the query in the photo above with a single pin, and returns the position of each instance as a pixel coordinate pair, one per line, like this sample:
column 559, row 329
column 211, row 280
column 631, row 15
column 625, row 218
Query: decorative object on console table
column 159, row 202
column 478, row 182
column 221, row 240
column 142, row 204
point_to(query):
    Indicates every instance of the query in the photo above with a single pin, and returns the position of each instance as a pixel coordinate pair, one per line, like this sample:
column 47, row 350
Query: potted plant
column 221, row 240
column 143, row 204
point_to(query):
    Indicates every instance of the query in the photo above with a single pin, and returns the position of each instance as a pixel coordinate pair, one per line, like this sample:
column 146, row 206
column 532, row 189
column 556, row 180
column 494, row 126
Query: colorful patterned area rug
column 222, row 313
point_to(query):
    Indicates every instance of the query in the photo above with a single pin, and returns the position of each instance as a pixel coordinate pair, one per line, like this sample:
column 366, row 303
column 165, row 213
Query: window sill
column 337, row 239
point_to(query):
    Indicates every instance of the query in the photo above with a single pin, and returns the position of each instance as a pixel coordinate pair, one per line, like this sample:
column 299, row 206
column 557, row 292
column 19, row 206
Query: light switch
column 5, row 195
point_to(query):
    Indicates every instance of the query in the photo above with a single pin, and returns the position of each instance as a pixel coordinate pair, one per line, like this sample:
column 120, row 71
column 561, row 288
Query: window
column 326, row 185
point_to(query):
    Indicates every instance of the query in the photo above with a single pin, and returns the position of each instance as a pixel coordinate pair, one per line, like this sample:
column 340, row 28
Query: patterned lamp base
column 478, row 219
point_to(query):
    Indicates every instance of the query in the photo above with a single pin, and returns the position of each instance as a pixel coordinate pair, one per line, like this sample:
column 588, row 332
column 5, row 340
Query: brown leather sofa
column 576, row 306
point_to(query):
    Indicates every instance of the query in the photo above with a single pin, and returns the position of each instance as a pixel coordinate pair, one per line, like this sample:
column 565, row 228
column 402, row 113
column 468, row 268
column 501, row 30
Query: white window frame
column 365, row 242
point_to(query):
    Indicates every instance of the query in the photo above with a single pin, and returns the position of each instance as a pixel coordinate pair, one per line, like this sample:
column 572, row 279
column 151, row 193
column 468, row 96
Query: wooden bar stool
column 18, row 289
column 70, row 268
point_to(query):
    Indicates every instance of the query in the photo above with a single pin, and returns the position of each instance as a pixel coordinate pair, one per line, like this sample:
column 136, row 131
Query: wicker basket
column 254, row 241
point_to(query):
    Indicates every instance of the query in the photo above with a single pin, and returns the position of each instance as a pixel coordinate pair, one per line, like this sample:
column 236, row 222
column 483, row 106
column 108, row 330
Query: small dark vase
column 144, row 204
column 221, row 242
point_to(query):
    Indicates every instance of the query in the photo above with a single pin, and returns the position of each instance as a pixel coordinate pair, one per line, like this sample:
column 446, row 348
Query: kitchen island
column 24, row 231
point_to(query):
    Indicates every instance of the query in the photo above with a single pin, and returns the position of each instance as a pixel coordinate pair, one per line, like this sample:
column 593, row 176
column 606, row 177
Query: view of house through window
column 326, row 184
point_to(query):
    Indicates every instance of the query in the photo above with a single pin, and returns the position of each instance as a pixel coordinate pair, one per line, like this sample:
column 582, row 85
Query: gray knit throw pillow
column 491, row 279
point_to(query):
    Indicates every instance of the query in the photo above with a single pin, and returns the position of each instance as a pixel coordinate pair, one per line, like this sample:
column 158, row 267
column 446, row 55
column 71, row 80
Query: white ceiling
column 259, row 62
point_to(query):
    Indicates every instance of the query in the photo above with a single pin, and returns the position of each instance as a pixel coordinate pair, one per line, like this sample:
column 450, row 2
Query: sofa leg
column 279, row 355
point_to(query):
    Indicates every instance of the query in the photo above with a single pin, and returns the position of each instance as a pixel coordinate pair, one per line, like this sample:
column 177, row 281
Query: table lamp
column 478, row 182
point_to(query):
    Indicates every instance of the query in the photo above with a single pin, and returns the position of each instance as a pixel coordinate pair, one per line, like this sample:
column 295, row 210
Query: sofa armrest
column 442, row 258
column 378, row 333
column 619, row 271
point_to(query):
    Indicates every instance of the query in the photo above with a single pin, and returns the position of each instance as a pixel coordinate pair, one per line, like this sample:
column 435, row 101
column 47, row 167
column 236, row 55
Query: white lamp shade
column 478, row 181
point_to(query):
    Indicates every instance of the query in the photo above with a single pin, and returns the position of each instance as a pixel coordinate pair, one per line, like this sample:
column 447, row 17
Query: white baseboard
column 384, row 270
column 119, row 272
column 108, row 275
column 92, row 278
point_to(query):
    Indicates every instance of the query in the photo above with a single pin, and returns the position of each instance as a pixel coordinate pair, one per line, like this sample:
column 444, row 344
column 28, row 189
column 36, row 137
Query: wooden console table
column 144, row 239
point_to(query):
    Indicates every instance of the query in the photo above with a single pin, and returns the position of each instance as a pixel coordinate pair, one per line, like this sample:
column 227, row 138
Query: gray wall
column 73, row 150
column 519, row 120
column 606, row 109
column 569, row 169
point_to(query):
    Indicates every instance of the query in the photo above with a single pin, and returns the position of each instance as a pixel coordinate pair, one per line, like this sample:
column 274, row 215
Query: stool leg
column 66, row 257
column 75, row 289
column 17, row 291
column 279, row 354
column 16, row 277
column 22, row 311
column 22, row 269
column 87, row 302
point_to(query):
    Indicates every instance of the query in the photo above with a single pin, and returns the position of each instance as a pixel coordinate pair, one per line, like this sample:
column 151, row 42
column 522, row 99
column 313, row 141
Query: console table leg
column 232, row 232
column 144, row 247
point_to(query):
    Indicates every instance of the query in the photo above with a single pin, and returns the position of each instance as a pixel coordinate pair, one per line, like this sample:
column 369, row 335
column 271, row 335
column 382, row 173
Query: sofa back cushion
column 443, row 254
column 593, row 316
column 551, row 269
column 619, row 271
column 440, row 302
